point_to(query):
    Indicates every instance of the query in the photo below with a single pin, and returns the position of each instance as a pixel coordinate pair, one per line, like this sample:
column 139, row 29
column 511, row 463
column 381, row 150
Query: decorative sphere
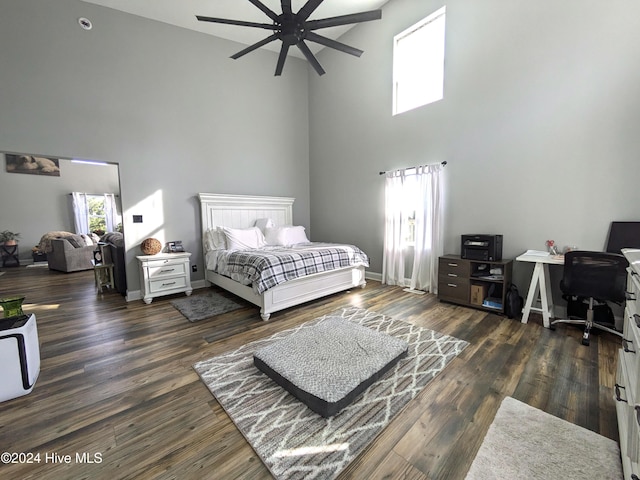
column 151, row 246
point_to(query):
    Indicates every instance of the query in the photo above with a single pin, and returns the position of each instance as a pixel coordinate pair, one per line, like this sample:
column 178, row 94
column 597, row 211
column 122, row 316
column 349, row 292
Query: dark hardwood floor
column 116, row 383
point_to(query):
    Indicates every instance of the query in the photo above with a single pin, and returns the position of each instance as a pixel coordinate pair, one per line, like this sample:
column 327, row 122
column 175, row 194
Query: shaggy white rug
column 524, row 442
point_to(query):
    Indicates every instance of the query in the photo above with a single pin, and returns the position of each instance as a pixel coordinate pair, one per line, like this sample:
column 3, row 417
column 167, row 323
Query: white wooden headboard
column 241, row 211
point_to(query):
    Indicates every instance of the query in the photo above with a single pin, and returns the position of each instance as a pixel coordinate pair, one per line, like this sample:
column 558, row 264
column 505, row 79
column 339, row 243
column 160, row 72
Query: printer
column 483, row 247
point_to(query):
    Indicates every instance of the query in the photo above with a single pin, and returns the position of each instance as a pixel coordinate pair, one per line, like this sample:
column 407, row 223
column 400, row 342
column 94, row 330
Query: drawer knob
column 452, row 264
column 630, row 295
column 452, row 285
column 167, row 284
column 167, row 270
column 452, row 275
column 619, row 387
column 625, row 345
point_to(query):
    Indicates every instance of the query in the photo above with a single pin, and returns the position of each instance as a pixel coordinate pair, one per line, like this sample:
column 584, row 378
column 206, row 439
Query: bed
column 241, row 212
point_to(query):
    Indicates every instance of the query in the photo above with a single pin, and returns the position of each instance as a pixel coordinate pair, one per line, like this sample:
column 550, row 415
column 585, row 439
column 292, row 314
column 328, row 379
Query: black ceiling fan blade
column 310, row 57
column 281, row 58
column 267, row 11
column 343, row 20
column 286, row 7
column 308, row 8
column 253, row 47
column 268, row 26
column 328, row 42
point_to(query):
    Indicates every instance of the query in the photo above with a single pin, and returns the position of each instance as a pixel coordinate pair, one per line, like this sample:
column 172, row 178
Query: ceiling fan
column 294, row 28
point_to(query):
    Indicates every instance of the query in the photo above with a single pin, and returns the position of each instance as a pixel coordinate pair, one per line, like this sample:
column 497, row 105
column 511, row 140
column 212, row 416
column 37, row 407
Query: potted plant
column 9, row 238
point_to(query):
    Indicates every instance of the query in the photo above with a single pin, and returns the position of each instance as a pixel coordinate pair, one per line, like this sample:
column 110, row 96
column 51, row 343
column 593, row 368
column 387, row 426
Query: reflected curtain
column 428, row 245
column 110, row 211
column 80, row 212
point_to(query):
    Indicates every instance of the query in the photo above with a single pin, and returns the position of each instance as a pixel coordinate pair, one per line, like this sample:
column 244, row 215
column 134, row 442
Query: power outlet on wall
column 194, row 268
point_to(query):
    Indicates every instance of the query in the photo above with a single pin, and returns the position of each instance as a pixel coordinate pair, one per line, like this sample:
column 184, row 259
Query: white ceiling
column 182, row 13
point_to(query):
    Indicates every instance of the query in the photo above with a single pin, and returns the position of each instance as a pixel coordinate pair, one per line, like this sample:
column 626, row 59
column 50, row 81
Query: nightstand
column 164, row 274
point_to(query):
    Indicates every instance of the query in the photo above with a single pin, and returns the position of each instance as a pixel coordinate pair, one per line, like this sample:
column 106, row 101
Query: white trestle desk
column 540, row 284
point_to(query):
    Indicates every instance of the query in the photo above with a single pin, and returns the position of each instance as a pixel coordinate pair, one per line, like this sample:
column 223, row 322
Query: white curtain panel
column 428, row 228
column 110, row 211
column 395, row 227
column 407, row 192
column 80, row 212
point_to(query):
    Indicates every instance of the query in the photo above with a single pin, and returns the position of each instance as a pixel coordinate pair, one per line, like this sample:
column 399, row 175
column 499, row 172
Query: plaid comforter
column 271, row 266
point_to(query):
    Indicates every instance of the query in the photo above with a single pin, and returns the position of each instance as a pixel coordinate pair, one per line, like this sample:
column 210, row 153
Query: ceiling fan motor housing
column 290, row 30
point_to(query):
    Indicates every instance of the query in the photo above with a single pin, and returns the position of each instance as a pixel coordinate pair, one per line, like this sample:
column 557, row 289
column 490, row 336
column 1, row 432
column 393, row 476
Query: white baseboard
column 373, row 276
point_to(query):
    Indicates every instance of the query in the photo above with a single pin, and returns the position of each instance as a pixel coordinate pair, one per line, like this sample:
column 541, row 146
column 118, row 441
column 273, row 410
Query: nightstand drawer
column 163, row 262
column 167, row 284
column 167, row 270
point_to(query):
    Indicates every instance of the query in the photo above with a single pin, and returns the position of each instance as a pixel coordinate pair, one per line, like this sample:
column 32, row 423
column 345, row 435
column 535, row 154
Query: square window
column 418, row 63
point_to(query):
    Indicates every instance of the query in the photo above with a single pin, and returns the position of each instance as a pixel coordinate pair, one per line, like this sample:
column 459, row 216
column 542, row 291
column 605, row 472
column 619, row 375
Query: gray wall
column 539, row 121
column 164, row 103
column 539, row 125
column 39, row 204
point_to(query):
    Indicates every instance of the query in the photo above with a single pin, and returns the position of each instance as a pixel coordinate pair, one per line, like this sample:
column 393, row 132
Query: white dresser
column 164, row 274
column 627, row 388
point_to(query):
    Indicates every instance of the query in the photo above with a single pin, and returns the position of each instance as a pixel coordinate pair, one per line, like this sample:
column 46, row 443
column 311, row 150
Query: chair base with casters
column 593, row 275
column 588, row 324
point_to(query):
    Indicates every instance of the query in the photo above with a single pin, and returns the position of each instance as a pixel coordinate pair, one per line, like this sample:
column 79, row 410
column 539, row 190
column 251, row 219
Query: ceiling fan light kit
column 295, row 28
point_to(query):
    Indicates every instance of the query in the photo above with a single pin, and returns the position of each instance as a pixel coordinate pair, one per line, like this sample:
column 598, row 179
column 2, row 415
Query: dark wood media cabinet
column 471, row 283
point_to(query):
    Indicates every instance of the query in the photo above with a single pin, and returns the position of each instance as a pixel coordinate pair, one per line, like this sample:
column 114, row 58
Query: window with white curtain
column 93, row 212
column 418, row 63
column 413, row 218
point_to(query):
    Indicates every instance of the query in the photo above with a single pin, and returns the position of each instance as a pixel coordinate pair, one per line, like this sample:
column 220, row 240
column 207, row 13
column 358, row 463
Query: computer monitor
column 623, row 235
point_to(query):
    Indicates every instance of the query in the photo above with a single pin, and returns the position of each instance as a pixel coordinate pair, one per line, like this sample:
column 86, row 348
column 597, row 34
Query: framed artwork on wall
column 33, row 165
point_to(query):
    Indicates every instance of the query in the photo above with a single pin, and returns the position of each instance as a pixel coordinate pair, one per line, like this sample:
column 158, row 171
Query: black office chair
column 598, row 276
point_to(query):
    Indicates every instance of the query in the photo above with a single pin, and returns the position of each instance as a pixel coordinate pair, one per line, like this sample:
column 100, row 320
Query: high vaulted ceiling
column 183, row 13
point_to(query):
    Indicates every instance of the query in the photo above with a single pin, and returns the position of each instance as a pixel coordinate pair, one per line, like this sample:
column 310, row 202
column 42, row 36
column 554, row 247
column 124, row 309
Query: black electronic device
column 486, row 247
column 623, row 235
column 175, row 246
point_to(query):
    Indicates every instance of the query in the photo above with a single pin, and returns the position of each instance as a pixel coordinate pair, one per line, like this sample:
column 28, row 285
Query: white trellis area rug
column 293, row 441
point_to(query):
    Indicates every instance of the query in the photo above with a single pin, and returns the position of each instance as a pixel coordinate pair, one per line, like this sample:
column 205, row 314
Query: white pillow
column 296, row 235
column 285, row 236
column 276, row 235
column 244, row 238
column 264, row 223
column 88, row 241
column 214, row 239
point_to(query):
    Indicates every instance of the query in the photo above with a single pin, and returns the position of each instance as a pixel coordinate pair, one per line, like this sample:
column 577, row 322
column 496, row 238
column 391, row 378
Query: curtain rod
column 441, row 163
column 99, row 194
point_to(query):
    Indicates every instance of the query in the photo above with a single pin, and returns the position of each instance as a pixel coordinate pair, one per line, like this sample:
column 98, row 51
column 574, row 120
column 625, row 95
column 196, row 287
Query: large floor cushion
column 328, row 365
